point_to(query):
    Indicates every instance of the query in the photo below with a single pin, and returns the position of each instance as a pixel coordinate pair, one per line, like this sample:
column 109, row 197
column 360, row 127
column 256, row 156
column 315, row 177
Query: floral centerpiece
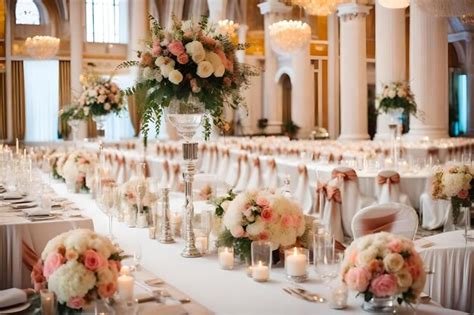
column 455, row 183
column 100, row 96
column 139, row 200
column 397, row 96
column 55, row 161
column 79, row 266
column 259, row 215
column 74, row 112
column 189, row 63
column 384, row 265
column 78, row 170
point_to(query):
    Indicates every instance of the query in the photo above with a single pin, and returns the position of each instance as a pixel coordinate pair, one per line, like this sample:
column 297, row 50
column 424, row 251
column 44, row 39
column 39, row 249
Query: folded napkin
column 36, row 211
column 13, row 296
column 12, row 196
column 155, row 308
column 19, row 206
column 423, row 243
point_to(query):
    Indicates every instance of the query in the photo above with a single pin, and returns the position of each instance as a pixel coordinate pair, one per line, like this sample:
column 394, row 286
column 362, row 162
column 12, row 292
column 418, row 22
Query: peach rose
column 52, row 262
column 267, row 214
column 76, row 302
column 384, row 285
column 395, row 246
column 264, row 236
column 147, row 60
column 107, row 290
column 71, row 254
column 357, row 279
column 263, row 202
column 183, row 58
column 92, row 260
column 287, row 221
column 176, row 47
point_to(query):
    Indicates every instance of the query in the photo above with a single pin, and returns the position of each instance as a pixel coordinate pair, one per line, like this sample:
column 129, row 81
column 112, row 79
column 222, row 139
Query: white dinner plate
column 15, row 308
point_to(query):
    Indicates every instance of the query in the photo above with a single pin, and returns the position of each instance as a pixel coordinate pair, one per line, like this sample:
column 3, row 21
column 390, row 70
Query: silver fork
column 313, row 296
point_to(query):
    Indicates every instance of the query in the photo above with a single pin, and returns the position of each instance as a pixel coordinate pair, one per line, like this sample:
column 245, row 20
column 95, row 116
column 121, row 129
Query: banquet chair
column 214, row 160
column 332, row 212
column 352, row 200
column 302, row 192
column 395, row 218
column 388, row 188
column 318, row 192
column 244, row 173
column 270, row 174
column 164, row 173
column 121, row 169
column 174, row 176
column 255, row 179
column 206, row 159
column 233, row 169
column 223, row 164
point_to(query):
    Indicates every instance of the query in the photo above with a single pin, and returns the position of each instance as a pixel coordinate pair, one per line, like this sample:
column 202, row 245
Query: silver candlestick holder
column 165, row 236
column 189, row 156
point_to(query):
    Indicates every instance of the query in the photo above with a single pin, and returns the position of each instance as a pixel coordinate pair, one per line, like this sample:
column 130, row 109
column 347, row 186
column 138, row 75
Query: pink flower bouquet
column 384, row 265
column 79, row 266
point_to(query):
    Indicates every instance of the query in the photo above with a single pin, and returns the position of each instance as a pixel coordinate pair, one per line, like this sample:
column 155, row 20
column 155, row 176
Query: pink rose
column 263, row 202
column 463, row 194
column 297, row 220
column 76, row 302
column 237, row 231
column 176, row 47
column 52, row 262
column 357, row 279
column 107, row 290
column 183, row 58
column 267, row 214
column 414, row 267
column 92, row 260
column 287, row 220
column 156, row 48
column 264, row 236
column 395, row 246
column 208, row 41
column 384, row 285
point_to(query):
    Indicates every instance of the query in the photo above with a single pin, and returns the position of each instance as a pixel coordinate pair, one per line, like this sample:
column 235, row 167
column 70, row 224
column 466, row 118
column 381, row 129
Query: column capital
column 349, row 11
column 273, row 6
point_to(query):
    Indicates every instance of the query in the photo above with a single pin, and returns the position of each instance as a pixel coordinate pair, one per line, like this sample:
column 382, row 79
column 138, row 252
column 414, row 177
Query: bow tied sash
column 347, row 175
column 256, row 162
column 380, row 224
column 393, row 179
column 333, row 194
column 272, row 164
column 302, row 170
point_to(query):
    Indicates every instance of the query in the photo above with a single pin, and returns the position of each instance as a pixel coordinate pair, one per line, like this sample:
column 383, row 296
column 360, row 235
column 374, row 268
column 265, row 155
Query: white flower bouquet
column 79, row 266
column 78, row 166
column 260, row 215
column 397, row 95
column 384, row 265
column 454, row 183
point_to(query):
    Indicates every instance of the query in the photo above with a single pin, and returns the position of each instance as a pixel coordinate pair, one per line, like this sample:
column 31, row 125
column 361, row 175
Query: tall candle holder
column 166, row 237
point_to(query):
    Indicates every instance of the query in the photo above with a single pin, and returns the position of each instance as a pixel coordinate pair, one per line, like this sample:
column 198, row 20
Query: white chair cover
column 164, row 168
column 175, row 175
column 223, row 166
column 434, row 213
column 213, row 161
column 206, row 159
column 234, row 169
column 255, row 180
column 387, row 185
column 302, row 192
column 332, row 216
column 121, row 169
column 244, row 175
column 270, row 174
column 389, row 217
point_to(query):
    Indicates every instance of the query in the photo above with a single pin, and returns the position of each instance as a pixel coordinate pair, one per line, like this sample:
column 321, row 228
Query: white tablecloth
column 222, row 291
column 452, row 260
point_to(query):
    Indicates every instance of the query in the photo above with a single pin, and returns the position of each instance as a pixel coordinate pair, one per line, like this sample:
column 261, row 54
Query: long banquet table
column 222, row 291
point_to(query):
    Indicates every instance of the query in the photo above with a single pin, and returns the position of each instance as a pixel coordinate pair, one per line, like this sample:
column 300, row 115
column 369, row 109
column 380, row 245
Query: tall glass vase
column 186, row 116
column 100, row 125
column 396, row 115
column 74, row 124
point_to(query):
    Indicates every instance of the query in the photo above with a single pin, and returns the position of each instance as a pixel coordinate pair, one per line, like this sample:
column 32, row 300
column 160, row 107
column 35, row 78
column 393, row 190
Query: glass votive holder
column 338, row 296
column 226, row 257
column 202, row 242
column 296, row 264
column 48, row 302
column 261, row 252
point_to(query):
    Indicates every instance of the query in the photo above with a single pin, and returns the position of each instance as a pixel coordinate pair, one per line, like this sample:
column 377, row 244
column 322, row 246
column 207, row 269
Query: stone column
column 273, row 11
column 333, row 76
column 217, row 9
column 77, row 27
column 429, row 73
column 353, row 71
column 390, row 56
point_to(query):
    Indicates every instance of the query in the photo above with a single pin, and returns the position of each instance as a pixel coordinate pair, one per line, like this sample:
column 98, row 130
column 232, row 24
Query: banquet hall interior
column 236, row 156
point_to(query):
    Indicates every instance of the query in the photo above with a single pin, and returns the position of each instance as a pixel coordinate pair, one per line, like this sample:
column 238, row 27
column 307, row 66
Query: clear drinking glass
column 108, row 199
column 261, row 252
column 296, row 264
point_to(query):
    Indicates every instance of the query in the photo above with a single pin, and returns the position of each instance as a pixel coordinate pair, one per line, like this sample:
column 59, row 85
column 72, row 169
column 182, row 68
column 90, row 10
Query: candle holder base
column 298, row 279
column 166, row 240
column 190, row 252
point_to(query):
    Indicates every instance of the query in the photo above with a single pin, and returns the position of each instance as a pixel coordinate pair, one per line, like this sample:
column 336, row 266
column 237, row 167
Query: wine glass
column 108, row 199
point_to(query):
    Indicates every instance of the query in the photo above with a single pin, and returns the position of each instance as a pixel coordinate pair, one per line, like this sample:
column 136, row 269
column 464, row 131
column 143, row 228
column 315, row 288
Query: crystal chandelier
column 318, row 7
column 394, row 4
column 289, row 37
column 445, row 7
column 42, row 47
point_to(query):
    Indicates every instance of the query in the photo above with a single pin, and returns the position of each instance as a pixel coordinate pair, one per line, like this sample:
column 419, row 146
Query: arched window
column 106, row 21
column 27, row 12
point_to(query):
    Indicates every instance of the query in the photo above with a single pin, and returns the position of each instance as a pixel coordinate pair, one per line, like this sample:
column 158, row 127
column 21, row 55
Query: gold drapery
column 64, row 92
column 133, row 111
column 3, row 107
column 18, row 100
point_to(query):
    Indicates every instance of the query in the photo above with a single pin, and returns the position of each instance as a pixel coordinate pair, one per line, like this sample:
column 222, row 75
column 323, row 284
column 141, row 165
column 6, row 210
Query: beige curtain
column 64, row 92
column 18, row 100
column 3, row 107
column 133, row 100
column 91, row 129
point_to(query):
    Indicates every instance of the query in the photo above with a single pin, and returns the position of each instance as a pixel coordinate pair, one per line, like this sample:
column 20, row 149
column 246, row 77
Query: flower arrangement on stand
column 382, row 267
column 79, row 266
column 139, row 200
column 397, row 96
column 454, row 183
column 189, row 63
column 78, row 170
column 259, row 215
column 55, row 162
column 72, row 115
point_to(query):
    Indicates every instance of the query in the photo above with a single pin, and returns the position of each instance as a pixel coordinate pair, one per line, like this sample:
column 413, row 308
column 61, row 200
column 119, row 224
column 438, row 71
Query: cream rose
column 366, row 256
column 404, row 279
column 219, row 71
column 393, row 262
column 166, row 70
column 214, row 59
column 175, row 77
column 196, row 50
column 204, row 69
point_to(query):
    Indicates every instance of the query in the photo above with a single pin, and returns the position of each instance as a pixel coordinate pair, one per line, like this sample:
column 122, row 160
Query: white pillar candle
column 260, row 272
column 226, row 258
column 201, row 244
column 17, row 146
column 296, row 264
column 48, row 303
column 125, row 284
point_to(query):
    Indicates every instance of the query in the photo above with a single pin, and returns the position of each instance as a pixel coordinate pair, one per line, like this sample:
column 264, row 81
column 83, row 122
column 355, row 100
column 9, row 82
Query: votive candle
column 260, row 272
column 201, row 244
column 226, row 257
column 47, row 302
column 125, row 284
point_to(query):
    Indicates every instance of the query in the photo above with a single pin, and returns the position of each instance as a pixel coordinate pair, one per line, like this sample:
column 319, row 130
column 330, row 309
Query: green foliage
column 388, row 103
column 242, row 246
column 220, row 200
column 127, row 64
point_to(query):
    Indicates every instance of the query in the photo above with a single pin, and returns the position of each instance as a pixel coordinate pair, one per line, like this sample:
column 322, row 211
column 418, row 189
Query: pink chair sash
column 29, row 256
column 374, row 225
column 302, row 170
column 347, row 175
column 394, row 179
column 333, row 194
